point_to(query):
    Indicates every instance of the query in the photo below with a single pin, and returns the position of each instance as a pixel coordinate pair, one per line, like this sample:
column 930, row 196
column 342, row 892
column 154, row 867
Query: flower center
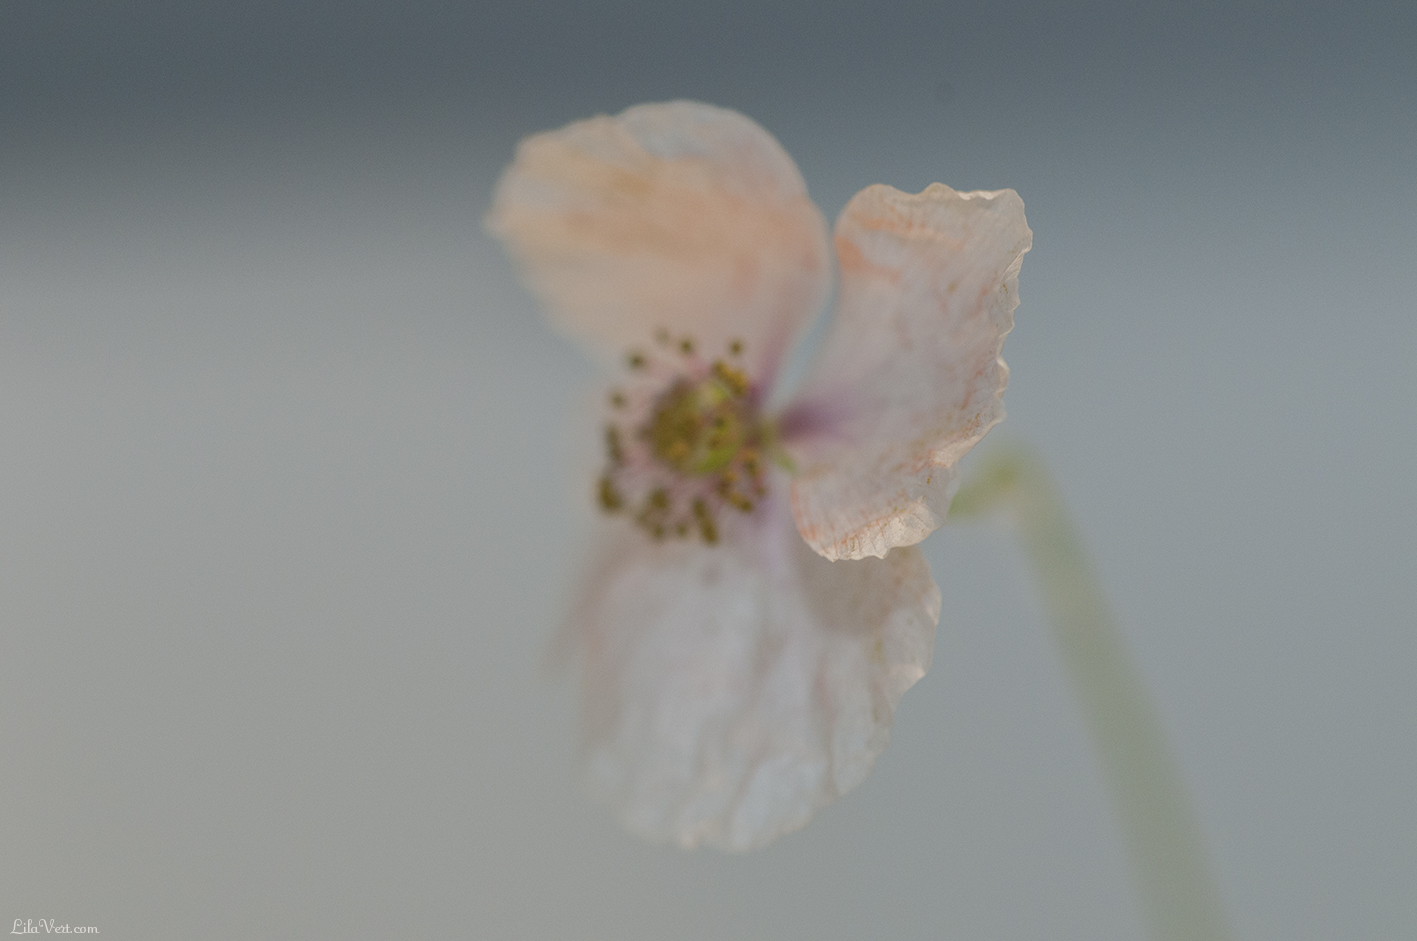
column 684, row 441
column 699, row 427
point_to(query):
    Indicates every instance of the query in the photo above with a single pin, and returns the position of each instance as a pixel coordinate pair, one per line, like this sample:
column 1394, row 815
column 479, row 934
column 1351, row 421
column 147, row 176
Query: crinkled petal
column 679, row 216
column 909, row 378
column 731, row 690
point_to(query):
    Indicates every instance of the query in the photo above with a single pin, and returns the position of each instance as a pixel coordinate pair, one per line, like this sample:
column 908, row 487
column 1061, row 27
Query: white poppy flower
column 742, row 653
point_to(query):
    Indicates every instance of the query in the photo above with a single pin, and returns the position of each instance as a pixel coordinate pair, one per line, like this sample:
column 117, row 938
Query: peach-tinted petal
column 731, row 690
column 679, row 216
column 910, row 376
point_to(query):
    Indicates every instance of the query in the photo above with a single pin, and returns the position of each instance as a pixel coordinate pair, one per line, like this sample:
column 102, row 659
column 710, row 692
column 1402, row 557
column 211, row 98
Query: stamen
column 732, row 497
column 653, row 516
column 685, row 448
column 706, row 525
column 734, row 379
column 753, row 469
column 610, row 499
column 613, row 449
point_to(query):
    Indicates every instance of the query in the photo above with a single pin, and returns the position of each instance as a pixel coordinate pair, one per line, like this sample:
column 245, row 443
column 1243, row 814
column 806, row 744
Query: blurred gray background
column 289, row 465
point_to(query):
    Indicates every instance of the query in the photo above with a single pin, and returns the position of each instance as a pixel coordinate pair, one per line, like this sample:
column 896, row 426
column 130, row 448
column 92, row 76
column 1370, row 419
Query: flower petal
column 679, row 216
column 731, row 690
column 910, row 377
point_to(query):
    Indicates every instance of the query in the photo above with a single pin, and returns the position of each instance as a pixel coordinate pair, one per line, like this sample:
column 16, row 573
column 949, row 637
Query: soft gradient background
column 289, row 493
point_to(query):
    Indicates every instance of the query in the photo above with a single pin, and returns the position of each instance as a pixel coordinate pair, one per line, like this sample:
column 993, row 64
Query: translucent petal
column 731, row 690
column 909, row 377
column 679, row 216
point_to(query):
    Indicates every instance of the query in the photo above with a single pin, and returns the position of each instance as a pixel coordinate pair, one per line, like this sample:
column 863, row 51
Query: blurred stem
column 1177, row 888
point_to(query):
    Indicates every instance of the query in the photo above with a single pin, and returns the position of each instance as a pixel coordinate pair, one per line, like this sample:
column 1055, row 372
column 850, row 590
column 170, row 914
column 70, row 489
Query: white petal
column 679, row 216
column 731, row 690
column 910, row 376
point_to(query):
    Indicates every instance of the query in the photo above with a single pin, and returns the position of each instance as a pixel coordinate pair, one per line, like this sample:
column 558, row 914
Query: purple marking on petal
column 817, row 417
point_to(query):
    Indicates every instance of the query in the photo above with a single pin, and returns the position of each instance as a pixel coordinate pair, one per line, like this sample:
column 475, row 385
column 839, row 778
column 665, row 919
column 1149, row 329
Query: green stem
column 1177, row 888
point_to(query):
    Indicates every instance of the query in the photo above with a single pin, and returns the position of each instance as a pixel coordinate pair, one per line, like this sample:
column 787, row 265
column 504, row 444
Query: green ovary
column 699, row 428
